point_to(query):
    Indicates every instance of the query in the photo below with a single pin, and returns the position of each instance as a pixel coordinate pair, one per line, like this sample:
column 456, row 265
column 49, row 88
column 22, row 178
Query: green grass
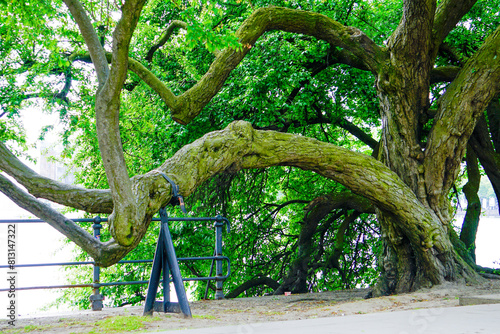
column 210, row 317
column 122, row 324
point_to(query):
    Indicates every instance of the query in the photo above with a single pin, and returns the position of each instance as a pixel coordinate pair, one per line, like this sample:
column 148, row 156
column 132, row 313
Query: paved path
column 448, row 320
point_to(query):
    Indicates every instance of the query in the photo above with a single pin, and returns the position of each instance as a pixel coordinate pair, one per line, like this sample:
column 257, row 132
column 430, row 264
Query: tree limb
column 241, row 147
column 93, row 201
column 470, row 189
column 480, row 142
column 104, row 254
column 361, row 50
column 175, row 24
column 107, row 109
column 448, row 14
column 316, row 211
column 91, row 39
column 464, row 101
column 263, row 280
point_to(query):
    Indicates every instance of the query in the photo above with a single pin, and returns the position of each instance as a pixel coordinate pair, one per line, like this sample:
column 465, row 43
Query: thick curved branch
column 239, row 146
column 253, row 283
column 192, row 101
column 93, row 201
column 104, row 254
column 448, row 14
column 152, row 81
column 315, row 212
column 91, row 39
column 359, row 49
column 107, row 109
column 463, row 103
column 489, row 158
column 175, row 24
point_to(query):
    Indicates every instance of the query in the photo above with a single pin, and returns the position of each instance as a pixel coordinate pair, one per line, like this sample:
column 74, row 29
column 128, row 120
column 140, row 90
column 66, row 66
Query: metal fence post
column 96, row 298
column 219, row 223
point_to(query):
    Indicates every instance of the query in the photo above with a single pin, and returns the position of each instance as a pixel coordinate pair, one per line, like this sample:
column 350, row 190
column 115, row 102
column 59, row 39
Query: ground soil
column 241, row 311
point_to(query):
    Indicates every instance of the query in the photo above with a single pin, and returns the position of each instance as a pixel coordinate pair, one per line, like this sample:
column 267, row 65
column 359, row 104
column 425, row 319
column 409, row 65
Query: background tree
column 301, row 76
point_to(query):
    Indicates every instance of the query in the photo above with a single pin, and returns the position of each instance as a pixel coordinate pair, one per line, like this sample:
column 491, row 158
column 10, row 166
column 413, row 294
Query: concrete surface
column 449, row 320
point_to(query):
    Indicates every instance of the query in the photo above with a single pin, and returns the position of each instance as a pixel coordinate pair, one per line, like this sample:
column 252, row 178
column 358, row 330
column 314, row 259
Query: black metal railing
column 96, row 298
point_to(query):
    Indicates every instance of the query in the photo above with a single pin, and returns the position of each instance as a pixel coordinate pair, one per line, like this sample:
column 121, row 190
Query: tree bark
column 253, row 283
column 471, row 219
column 482, row 144
column 239, row 146
column 316, row 211
column 428, row 168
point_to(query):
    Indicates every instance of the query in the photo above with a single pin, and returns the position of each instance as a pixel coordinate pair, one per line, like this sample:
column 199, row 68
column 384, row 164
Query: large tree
column 408, row 180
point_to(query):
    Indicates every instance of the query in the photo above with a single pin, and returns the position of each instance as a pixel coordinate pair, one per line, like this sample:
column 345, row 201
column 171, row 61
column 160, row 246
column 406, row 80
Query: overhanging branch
column 91, row 39
column 93, row 201
column 239, row 146
column 464, row 101
column 358, row 50
column 175, row 24
column 448, row 14
column 104, row 254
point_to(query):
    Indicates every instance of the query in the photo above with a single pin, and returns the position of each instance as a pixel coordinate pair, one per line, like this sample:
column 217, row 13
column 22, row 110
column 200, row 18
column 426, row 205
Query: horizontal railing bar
column 48, row 264
column 69, row 286
column 92, row 220
column 16, row 221
column 123, row 261
column 203, row 258
column 96, row 285
column 135, row 261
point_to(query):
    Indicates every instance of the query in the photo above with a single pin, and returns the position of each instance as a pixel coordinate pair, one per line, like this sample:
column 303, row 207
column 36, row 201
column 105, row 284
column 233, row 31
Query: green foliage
column 286, row 82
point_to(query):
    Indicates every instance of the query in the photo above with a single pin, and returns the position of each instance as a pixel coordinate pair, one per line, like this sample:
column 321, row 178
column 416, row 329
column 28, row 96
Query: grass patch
column 210, row 317
column 122, row 324
column 28, row 329
column 274, row 313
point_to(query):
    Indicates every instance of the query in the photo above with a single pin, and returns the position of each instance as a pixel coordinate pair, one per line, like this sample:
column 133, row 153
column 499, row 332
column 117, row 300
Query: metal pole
column 155, row 277
column 96, row 298
column 169, row 251
column 209, row 275
column 166, row 278
column 219, row 294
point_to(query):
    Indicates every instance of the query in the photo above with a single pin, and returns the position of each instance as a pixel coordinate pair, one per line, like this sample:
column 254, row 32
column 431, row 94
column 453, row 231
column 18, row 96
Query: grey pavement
column 448, row 320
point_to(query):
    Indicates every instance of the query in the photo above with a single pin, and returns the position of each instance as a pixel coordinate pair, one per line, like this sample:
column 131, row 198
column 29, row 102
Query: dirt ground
column 241, row 311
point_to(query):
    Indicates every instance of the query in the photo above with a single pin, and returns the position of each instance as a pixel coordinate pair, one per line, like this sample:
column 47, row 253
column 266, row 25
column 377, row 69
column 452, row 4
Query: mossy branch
column 238, row 147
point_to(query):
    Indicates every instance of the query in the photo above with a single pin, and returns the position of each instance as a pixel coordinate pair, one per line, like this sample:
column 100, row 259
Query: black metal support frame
column 166, row 262
column 97, row 298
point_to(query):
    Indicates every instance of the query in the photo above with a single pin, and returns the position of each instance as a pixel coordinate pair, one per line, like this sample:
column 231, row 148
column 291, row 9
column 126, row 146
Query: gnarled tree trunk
column 428, row 166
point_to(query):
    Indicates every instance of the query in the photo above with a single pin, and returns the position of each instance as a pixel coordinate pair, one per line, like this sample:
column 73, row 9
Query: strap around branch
column 177, row 198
